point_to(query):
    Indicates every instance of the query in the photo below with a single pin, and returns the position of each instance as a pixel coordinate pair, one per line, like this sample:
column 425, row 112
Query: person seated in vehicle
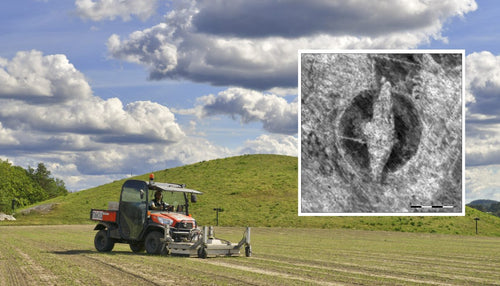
column 158, row 203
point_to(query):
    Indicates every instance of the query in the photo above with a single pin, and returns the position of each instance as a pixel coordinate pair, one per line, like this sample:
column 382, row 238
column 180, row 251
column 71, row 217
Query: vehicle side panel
column 103, row 215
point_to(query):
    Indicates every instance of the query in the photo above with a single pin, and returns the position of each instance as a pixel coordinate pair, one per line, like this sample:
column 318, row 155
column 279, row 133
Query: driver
column 158, row 203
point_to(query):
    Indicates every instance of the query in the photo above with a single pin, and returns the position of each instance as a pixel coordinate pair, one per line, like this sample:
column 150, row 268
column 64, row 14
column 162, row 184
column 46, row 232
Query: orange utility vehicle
column 168, row 230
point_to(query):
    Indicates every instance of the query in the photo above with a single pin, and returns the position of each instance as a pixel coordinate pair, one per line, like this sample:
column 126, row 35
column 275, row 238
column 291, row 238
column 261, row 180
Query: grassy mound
column 253, row 190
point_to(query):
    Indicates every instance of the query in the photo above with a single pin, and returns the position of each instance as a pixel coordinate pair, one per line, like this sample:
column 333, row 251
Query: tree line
column 20, row 187
column 487, row 206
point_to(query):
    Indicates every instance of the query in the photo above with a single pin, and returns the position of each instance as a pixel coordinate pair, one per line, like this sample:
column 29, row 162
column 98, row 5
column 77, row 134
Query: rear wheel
column 153, row 242
column 137, row 246
column 102, row 242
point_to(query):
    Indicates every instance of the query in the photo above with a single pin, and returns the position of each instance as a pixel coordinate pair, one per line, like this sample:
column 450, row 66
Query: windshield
column 175, row 200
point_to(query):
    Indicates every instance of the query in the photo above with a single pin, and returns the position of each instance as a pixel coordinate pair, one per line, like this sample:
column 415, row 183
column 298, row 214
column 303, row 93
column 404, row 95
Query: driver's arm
column 164, row 206
column 153, row 206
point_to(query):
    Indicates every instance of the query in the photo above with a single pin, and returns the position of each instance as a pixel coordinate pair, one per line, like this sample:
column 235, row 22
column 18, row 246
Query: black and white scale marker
column 431, row 207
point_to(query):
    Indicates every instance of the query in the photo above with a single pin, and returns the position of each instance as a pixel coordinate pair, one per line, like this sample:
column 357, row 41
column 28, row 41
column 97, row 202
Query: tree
column 53, row 187
column 16, row 184
column 27, row 187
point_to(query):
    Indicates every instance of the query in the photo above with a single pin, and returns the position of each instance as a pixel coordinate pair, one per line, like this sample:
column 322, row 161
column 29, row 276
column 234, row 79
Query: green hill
column 253, row 190
column 488, row 206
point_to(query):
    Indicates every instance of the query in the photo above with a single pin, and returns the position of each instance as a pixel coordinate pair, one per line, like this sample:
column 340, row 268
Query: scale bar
column 430, row 207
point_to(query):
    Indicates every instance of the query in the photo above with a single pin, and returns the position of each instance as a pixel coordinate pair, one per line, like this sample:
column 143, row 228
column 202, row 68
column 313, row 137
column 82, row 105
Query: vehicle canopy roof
column 168, row 187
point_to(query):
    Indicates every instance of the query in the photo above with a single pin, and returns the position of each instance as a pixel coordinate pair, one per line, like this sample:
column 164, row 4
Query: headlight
column 164, row 221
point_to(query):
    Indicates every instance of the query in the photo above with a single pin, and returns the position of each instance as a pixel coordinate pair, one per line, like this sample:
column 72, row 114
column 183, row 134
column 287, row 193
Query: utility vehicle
column 170, row 230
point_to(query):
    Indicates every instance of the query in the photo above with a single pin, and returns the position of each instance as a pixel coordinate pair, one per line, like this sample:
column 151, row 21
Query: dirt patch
column 43, row 209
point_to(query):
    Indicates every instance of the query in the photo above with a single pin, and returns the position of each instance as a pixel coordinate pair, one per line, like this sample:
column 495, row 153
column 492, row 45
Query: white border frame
column 381, row 51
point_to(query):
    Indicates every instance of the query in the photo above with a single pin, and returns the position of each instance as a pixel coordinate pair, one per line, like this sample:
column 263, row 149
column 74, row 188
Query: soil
column 43, row 208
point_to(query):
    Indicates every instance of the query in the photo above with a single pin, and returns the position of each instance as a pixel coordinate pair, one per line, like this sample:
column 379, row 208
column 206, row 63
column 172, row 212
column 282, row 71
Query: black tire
column 102, row 242
column 248, row 251
column 202, row 252
column 153, row 242
column 137, row 246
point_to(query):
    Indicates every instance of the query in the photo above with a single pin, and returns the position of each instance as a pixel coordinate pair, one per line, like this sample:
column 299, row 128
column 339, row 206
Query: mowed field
column 65, row 255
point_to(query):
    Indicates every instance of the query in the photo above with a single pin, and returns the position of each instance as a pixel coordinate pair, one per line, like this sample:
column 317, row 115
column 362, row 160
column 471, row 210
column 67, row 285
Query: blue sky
column 100, row 89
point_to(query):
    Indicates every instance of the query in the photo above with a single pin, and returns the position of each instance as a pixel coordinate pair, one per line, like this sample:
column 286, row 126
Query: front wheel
column 153, row 242
column 102, row 242
column 137, row 246
column 248, row 251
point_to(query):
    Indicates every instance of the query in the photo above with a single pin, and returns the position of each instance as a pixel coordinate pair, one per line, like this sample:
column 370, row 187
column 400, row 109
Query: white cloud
column 48, row 109
column 483, row 151
column 483, row 83
column 483, row 109
column 48, row 113
column 272, row 144
column 482, row 183
column 47, row 96
column 32, row 76
column 7, row 137
column 202, row 42
column 98, row 10
column 149, row 46
column 107, row 162
column 53, row 117
column 115, row 159
column 283, row 91
column 86, row 169
column 195, row 149
column 276, row 114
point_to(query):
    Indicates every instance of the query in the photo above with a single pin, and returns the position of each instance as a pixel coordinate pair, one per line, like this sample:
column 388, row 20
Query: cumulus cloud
column 482, row 182
column 484, row 148
column 149, row 47
column 141, row 158
column 46, row 97
column 88, row 168
column 483, row 109
column 195, row 149
column 302, row 18
column 110, row 9
column 32, row 76
column 248, row 44
column 275, row 113
column 272, row 144
column 48, row 110
column 119, row 159
column 7, row 137
column 483, row 84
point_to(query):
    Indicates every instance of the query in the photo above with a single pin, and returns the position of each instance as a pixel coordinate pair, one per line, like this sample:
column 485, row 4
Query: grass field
column 56, row 248
column 64, row 255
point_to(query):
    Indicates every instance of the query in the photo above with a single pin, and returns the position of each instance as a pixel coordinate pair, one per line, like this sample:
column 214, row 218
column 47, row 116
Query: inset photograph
column 381, row 132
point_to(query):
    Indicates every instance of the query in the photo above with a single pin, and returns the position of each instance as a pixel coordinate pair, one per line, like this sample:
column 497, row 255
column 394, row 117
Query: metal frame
column 208, row 245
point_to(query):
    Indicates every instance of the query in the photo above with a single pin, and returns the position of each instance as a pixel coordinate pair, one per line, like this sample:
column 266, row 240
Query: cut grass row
column 394, row 255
